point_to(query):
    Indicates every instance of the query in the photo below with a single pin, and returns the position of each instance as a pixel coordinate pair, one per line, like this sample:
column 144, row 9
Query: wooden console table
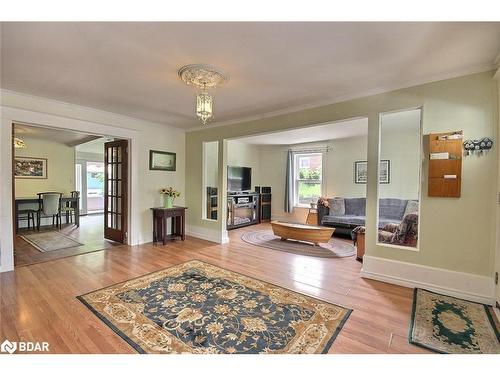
column 160, row 216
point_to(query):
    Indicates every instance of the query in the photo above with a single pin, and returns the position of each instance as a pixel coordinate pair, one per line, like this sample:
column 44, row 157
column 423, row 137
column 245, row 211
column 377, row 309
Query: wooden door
column 115, row 190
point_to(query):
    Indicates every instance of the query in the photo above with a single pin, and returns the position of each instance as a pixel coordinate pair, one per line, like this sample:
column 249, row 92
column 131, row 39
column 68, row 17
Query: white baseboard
column 6, row 269
column 457, row 284
column 207, row 234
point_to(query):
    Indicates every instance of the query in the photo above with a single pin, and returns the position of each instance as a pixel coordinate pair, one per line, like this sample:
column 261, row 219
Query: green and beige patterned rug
column 196, row 307
column 50, row 241
column 451, row 325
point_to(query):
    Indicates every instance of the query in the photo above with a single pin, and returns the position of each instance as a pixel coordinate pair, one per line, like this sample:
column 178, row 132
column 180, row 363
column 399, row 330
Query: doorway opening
column 299, row 190
column 70, row 193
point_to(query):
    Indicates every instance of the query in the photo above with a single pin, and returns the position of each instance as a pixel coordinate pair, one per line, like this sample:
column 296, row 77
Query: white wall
column 143, row 135
column 240, row 154
column 401, row 143
column 60, row 167
column 211, row 155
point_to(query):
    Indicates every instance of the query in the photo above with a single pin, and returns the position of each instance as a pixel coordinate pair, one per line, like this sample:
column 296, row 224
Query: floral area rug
column 452, row 325
column 196, row 307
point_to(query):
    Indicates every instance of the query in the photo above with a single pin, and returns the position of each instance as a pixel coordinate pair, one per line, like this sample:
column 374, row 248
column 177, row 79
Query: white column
column 6, row 224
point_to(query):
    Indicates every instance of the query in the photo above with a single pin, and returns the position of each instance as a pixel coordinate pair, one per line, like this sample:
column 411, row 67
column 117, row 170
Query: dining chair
column 70, row 208
column 49, row 205
column 27, row 214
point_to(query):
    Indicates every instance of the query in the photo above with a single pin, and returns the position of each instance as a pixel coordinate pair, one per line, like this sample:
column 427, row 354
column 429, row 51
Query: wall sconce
column 478, row 145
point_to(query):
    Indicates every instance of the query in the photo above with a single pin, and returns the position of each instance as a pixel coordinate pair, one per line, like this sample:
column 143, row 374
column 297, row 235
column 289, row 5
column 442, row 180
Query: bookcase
column 445, row 172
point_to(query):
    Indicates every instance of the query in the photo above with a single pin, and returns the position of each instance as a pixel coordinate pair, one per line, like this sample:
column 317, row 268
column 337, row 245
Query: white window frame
column 296, row 180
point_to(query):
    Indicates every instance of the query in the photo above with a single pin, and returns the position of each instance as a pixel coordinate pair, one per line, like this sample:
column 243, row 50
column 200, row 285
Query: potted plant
column 170, row 194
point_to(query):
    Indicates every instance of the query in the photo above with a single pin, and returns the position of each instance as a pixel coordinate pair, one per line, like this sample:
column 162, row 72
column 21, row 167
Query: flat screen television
column 239, row 178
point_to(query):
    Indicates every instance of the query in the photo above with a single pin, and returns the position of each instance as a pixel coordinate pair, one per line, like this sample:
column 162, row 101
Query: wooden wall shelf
column 439, row 186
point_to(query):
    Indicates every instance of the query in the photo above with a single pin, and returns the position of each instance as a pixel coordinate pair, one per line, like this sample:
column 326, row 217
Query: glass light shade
column 204, row 103
column 19, row 143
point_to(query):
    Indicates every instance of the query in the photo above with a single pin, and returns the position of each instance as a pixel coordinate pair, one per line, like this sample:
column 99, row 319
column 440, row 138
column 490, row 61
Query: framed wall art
column 162, row 161
column 361, row 172
column 35, row 168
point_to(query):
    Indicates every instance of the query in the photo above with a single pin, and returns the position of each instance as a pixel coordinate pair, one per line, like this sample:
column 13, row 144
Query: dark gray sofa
column 391, row 210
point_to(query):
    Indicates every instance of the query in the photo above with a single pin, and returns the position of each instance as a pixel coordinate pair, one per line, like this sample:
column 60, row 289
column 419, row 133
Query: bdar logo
column 8, row 347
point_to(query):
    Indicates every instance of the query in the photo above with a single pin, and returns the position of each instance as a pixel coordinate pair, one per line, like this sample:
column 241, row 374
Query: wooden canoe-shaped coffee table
column 302, row 232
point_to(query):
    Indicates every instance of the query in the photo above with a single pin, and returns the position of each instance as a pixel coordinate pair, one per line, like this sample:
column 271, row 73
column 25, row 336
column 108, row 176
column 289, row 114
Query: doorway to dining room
column 69, row 191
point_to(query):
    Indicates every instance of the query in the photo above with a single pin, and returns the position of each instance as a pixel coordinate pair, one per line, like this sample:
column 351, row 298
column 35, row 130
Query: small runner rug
column 50, row 241
column 196, row 307
column 333, row 249
column 451, row 325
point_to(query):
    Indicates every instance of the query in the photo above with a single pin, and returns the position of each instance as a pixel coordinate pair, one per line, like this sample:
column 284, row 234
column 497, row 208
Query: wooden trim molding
column 467, row 286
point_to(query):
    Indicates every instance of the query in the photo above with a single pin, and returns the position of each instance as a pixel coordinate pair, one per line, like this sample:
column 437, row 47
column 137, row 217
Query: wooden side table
column 312, row 216
column 160, row 216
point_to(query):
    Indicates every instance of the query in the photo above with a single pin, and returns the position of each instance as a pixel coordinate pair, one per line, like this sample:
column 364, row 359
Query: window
column 308, row 178
column 95, row 187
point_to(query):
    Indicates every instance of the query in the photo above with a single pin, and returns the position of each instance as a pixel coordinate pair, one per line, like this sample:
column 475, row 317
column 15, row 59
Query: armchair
column 404, row 234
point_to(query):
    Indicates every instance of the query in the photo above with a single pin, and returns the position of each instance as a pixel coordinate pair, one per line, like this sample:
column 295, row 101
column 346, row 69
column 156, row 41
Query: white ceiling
column 401, row 121
column 67, row 137
column 325, row 132
column 131, row 68
column 94, row 147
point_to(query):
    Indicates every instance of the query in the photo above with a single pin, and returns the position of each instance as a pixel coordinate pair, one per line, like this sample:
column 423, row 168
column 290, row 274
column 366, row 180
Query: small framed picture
column 35, row 168
column 162, row 161
column 361, row 172
column 384, row 172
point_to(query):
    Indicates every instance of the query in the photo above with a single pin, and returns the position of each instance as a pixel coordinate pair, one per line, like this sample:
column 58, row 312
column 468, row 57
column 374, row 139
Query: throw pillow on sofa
column 337, row 206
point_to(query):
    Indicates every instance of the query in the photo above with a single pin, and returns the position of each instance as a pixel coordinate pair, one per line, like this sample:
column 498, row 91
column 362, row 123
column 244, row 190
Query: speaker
column 266, row 189
column 265, row 212
column 257, row 189
column 266, row 198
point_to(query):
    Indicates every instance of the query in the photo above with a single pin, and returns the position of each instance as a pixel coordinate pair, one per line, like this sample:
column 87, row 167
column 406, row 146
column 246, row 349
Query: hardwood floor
column 90, row 233
column 38, row 303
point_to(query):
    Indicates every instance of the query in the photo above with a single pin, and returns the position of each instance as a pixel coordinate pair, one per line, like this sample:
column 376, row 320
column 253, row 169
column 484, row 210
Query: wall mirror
column 400, row 163
column 210, row 180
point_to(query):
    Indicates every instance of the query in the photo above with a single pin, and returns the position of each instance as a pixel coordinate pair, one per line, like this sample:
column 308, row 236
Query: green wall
column 455, row 234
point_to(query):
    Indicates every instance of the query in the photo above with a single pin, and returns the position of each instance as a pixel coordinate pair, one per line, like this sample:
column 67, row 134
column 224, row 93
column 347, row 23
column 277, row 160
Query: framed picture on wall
column 162, row 161
column 25, row 167
column 384, row 172
column 361, row 172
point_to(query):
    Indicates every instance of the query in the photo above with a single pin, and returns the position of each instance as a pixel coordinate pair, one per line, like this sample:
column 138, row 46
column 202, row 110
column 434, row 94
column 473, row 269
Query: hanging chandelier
column 204, row 77
column 19, row 143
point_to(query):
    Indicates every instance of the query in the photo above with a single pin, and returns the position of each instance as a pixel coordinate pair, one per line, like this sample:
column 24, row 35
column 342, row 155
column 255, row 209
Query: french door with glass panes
column 115, row 190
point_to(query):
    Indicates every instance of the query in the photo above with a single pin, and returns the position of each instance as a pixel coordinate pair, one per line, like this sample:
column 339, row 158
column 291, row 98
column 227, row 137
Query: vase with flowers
column 170, row 194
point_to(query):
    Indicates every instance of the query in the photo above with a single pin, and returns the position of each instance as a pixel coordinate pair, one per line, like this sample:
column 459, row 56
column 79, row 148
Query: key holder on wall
column 479, row 146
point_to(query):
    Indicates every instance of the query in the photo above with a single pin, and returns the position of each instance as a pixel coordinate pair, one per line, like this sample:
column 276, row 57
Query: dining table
column 30, row 201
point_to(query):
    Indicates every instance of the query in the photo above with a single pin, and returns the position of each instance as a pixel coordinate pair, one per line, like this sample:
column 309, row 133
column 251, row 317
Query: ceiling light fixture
column 204, row 77
column 19, row 143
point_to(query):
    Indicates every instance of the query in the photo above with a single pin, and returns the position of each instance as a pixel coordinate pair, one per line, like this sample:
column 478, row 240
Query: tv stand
column 242, row 209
